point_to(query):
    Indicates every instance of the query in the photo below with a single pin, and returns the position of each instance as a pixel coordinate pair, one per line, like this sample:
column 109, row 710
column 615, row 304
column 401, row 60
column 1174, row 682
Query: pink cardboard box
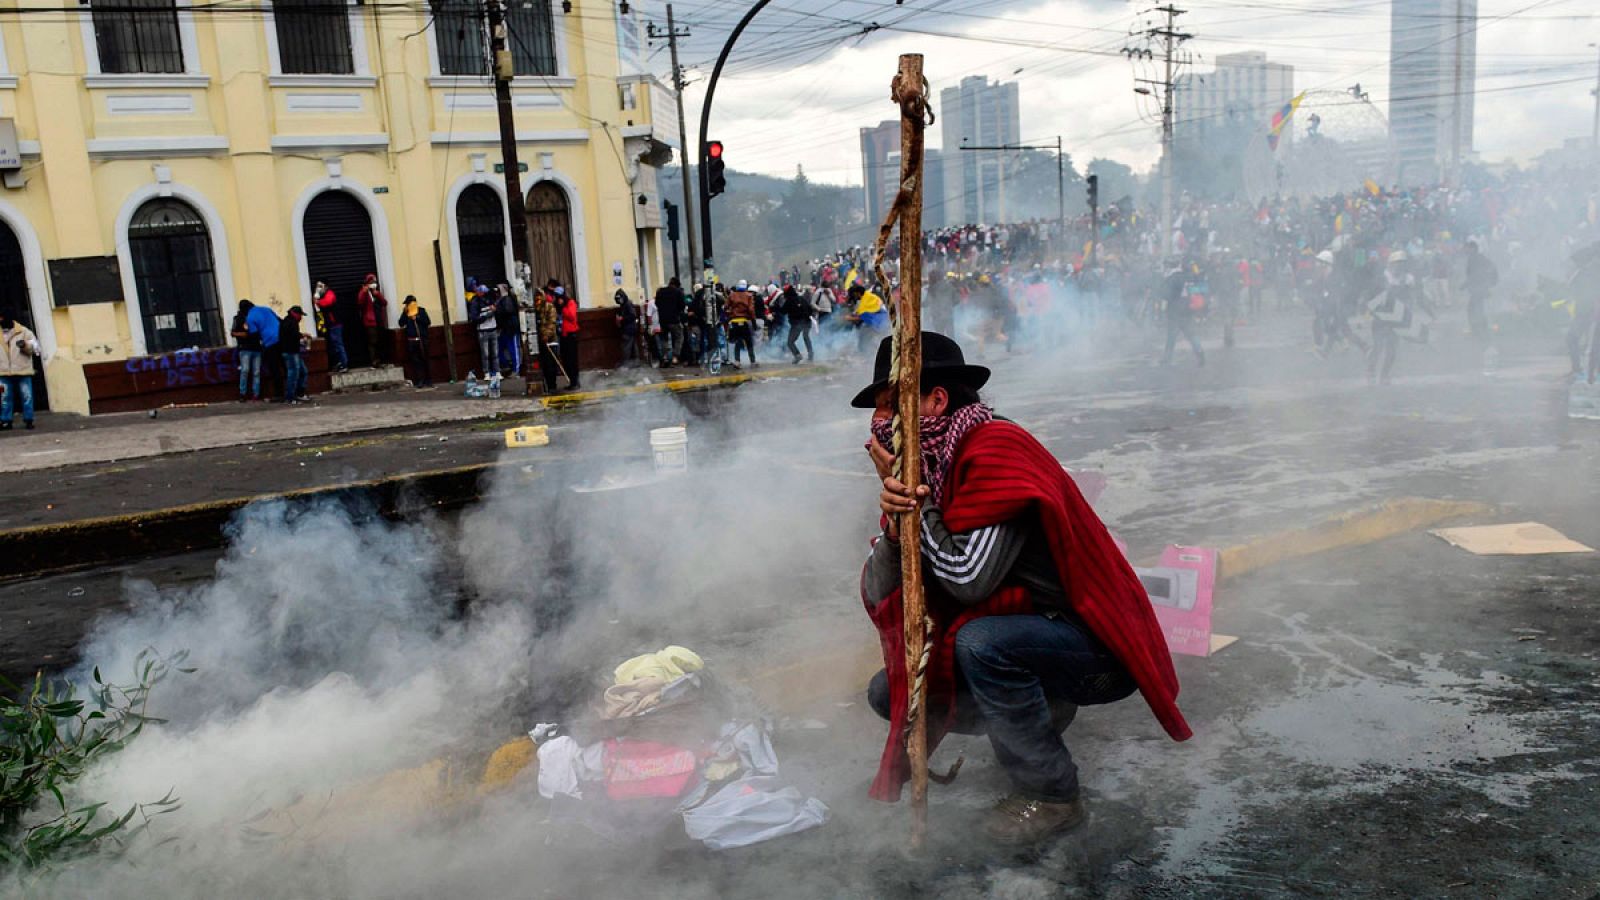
column 1180, row 590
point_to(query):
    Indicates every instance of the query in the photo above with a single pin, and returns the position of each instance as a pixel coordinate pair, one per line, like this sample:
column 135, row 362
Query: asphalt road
column 1398, row 719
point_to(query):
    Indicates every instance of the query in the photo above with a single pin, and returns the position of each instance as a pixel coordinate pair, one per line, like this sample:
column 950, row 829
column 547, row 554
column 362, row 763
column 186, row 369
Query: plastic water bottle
column 494, row 386
column 472, row 384
column 1491, row 362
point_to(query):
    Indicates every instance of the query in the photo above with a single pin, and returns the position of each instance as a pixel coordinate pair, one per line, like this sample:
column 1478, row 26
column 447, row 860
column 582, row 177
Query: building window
column 137, row 36
column 313, row 37
column 532, row 38
column 461, row 37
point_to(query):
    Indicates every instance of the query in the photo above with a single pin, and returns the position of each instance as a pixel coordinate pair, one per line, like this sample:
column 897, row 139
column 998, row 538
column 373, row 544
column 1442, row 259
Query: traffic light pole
column 705, row 122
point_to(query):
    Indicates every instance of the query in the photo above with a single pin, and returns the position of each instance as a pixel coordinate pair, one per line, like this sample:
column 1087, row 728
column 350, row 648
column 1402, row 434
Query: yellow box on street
column 528, row 436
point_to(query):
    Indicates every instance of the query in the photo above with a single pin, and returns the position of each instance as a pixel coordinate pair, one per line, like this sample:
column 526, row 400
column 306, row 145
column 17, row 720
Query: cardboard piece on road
column 528, row 436
column 1180, row 590
column 1516, row 539
column 1583, row 401
column 1220, row 642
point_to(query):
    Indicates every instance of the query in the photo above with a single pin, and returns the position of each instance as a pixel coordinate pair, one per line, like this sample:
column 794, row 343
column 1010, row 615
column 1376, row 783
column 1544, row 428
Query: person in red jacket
column 568, row 308
column 1034, row 609
column 374, row 309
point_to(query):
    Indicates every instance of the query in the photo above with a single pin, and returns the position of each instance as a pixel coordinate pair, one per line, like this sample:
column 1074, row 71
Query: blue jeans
column 336, row 355
column 1017, row 678
column 294, row 376
column 510, row 351
column 16, row 386
column 249, row 373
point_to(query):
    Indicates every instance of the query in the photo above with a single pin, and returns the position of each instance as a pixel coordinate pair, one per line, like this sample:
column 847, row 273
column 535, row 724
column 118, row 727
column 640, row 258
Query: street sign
column 500, row 167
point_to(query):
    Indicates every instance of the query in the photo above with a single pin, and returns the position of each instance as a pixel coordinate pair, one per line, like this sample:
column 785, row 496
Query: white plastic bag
column 750, row 811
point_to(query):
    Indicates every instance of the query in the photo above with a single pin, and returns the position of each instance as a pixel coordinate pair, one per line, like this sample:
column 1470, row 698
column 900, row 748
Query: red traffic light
column 714, row 149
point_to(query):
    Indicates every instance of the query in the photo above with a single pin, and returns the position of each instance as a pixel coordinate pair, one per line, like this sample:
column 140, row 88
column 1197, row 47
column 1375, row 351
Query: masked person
column 547, row 317
column 374, row 309
column 414, row 324
column 1034, row 609
column 328, row 326
column 18, row 349
column 481, row 313
column 568, row 307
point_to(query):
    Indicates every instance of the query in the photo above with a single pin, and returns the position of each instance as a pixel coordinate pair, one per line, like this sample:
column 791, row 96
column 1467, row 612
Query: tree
column 48, row 739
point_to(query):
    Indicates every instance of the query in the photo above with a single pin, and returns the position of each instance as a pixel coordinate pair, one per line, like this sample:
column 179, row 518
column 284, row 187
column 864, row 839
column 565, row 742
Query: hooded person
column 568, row 307
column 627, row 325
column 1034, row 609
column 374, row 309
column 291, row 346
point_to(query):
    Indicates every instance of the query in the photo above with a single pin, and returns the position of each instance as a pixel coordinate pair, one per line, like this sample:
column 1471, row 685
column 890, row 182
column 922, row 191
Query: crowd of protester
column 1369, row 268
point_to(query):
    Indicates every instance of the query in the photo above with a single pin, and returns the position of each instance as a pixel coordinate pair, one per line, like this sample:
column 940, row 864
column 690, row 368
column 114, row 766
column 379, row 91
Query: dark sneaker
column 28, row 426
column 1017, row 820
column 5, row 426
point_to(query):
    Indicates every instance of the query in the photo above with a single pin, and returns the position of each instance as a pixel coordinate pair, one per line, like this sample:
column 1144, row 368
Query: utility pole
column 1456, row 103
column 672, row 35
column 1170, row 39
column 1594, row 139
column 504, row 68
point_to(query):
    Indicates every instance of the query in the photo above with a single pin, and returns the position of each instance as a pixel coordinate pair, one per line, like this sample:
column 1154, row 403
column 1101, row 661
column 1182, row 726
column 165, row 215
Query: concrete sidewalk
column 66, row 440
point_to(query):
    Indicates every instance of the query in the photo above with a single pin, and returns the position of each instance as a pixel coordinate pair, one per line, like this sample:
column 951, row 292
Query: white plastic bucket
column 670, row 447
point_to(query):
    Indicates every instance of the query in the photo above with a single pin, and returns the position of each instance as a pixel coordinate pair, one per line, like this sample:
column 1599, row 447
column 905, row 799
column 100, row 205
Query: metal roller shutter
column 339, row 252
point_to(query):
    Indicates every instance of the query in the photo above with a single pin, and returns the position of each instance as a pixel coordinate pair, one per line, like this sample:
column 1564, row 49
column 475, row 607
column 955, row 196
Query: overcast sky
column 802, row 81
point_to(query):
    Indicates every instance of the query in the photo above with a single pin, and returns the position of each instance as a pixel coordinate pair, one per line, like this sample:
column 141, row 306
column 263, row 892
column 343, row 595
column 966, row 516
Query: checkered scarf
column 941, row 435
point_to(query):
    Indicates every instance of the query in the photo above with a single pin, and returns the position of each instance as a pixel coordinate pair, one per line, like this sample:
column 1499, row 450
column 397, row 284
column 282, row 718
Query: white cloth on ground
column 750, row 811
column 564, row 766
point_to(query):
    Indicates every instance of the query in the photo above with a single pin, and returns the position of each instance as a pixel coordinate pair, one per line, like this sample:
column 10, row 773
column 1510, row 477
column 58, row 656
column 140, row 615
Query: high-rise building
column 879, row 180
column 1433, row 50
column 1243, row 91
column 932, row 188
column 977, row 113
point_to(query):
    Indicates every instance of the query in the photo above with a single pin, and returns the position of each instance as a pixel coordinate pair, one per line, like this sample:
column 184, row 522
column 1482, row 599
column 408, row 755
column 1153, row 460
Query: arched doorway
column 340, row 253
column 14, row 296
column 550, row 232
column 481, row 234
column 175, row 276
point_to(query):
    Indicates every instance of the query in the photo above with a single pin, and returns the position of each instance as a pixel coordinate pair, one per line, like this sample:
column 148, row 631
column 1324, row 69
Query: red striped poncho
column 1001, row 472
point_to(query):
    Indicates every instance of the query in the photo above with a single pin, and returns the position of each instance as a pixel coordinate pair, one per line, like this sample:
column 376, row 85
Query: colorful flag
column 1372, row 187
column 1280, row 119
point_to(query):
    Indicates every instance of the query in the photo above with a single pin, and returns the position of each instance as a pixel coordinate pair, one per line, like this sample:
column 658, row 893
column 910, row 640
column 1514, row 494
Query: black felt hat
column 941, row 357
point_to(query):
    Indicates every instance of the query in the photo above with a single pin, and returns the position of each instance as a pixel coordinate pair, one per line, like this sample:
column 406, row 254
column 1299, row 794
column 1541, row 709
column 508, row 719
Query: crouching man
column 1034, row 609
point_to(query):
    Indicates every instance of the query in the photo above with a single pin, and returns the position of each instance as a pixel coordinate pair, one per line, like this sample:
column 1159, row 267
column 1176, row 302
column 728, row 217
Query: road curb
column 1351, row 529
column 35, row 550
column 579, row 398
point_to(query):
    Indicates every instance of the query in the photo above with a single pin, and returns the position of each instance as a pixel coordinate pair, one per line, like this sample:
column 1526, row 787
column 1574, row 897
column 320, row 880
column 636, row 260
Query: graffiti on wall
column 189, row 368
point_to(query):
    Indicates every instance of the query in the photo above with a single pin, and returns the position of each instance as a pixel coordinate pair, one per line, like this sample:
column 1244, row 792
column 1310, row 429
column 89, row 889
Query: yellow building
column 172, row 159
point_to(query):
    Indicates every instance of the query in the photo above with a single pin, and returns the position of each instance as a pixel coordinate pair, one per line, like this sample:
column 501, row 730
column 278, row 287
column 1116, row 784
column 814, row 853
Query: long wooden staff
column 910, row 91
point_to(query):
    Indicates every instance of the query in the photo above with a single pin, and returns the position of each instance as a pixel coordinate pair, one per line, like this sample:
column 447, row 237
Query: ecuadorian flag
column 1281, row 119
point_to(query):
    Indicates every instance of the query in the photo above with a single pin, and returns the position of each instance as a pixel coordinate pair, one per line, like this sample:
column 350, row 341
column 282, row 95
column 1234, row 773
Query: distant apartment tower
column 978, row 114
column 1433, row 49
column 1243, row 91
column 880, row 180
column 933, row 217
